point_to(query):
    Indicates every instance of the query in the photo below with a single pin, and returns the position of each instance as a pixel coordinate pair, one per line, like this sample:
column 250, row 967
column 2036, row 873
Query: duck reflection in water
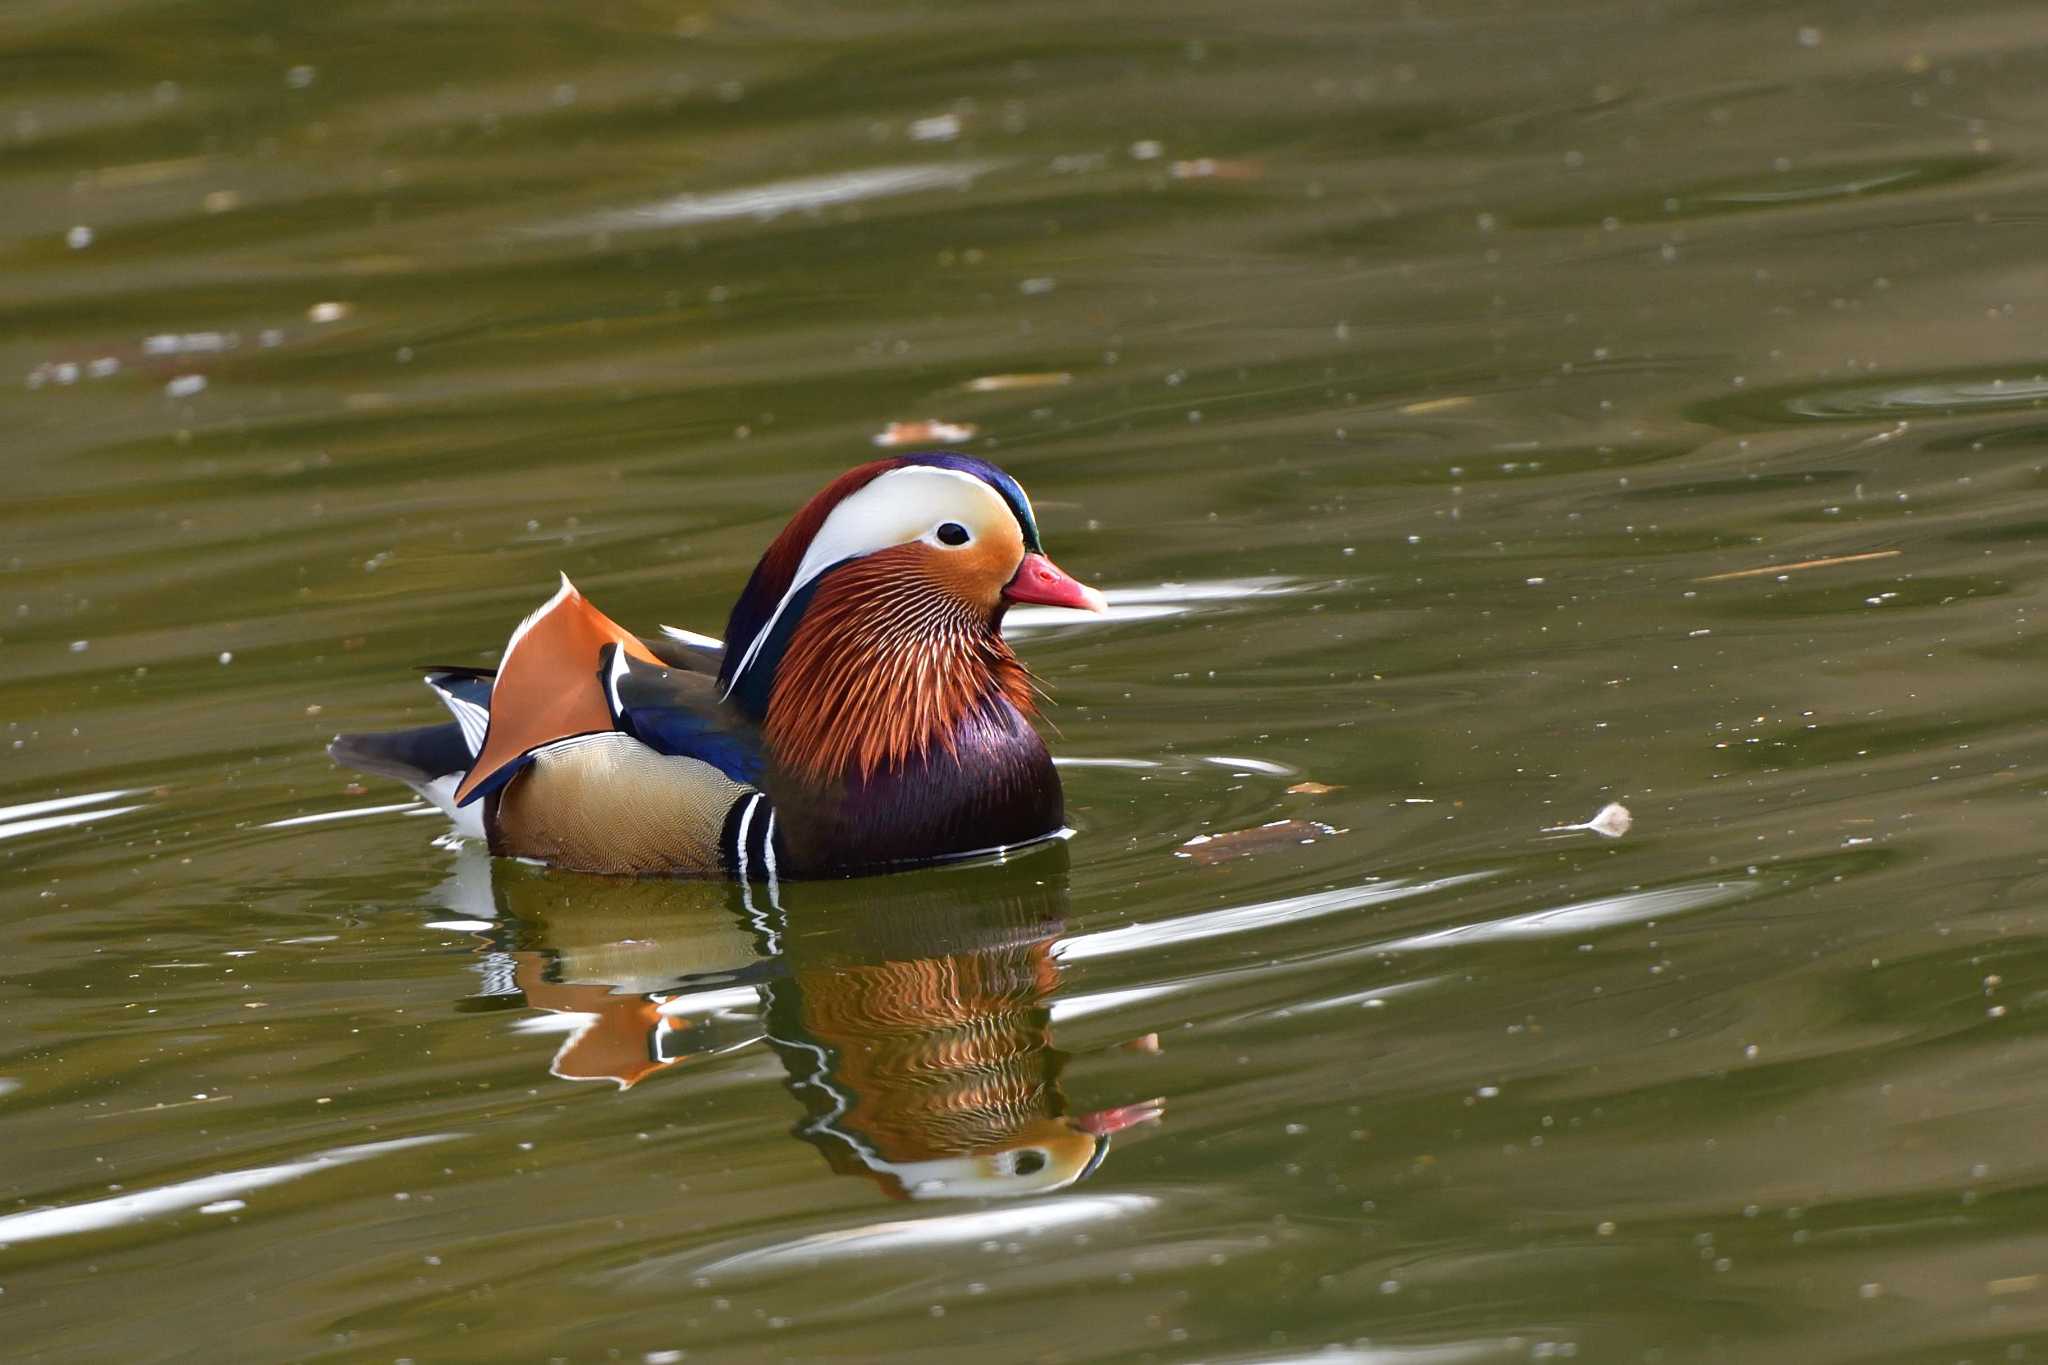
column 911, row 1014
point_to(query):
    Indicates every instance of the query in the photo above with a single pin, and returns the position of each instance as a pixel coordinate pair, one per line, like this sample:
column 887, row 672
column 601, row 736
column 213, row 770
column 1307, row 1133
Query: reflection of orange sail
column 620, row 1039
column 606, row 955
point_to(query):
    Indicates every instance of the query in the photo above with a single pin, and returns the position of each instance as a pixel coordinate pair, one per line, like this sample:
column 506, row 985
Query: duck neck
column 902, row 736
column 867, row 684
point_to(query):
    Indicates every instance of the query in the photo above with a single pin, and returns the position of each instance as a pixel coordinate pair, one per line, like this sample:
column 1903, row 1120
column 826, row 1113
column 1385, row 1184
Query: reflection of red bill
column 1103, row 1122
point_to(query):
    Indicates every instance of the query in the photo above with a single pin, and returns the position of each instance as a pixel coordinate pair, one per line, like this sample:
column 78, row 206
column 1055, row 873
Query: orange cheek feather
column 892, row 652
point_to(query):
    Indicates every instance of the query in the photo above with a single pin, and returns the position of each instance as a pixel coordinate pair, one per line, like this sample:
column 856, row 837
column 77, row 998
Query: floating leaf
column 1209, row 849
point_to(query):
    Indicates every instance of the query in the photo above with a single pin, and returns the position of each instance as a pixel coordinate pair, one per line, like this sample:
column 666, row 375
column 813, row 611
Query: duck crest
column 754, row 612
column 886, row 665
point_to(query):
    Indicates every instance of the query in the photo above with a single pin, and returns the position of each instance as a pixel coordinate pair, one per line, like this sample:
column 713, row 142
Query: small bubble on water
column 79, row 238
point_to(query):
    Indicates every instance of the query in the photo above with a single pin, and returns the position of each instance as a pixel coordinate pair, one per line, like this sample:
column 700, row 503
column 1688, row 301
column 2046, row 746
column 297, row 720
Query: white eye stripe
column 895, row 508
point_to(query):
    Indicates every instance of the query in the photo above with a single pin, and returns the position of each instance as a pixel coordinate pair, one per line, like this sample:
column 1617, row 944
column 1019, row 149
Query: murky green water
column 1408, row 374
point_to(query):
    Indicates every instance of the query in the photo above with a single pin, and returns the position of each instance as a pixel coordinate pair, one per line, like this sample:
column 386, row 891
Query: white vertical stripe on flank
column 739, row 841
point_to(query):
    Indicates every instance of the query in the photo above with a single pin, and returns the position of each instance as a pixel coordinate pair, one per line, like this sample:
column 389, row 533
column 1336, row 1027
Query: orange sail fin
column 548, row 686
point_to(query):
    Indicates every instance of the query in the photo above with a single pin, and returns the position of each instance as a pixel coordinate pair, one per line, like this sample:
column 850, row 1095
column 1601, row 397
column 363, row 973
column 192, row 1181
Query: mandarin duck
column 862, row 714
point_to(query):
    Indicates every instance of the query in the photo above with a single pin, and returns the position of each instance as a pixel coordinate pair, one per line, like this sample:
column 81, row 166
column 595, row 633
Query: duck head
column 872, row 625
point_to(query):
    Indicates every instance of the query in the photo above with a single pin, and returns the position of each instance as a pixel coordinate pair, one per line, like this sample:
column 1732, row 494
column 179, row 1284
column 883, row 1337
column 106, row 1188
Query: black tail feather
column 412, row 756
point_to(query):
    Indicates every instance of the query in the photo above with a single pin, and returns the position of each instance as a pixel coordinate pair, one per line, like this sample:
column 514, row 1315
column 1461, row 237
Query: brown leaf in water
column 1210, row 849
column 1313, row 789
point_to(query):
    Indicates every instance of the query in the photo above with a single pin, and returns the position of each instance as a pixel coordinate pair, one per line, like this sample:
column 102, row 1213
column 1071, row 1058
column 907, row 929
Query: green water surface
column 1410, row 374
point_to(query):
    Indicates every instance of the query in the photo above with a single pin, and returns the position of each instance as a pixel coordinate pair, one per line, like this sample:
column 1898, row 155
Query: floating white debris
column 331, row 311
column 190, row 343
column 1611, row 823
column 79, row 238
column 938, row 128
column 185, row 385
column 224, row 1206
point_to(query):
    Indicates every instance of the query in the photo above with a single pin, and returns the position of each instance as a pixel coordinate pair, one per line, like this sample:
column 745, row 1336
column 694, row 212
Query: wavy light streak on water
column 911, row 1235
column 1607, row 912
column 101, row 1214
column 806, row 195
column 14, row 829
column 1241, row 919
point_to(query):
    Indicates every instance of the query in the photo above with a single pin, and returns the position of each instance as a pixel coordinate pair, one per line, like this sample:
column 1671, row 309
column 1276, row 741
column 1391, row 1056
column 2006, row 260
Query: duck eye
column 952, row 533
